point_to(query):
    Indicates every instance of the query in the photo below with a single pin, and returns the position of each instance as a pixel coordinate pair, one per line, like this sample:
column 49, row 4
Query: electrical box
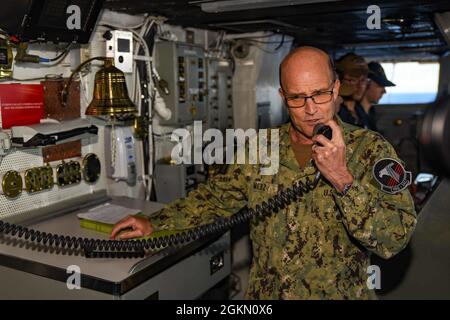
column 173, row 182
column 220, row 94
column 120, row 47
column 183, row 67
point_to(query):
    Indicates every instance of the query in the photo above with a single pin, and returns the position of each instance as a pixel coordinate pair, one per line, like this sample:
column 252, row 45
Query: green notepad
column 107, row 228
column 102, row 218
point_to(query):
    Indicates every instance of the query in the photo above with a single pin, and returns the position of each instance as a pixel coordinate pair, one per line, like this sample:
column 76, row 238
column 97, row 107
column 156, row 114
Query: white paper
column 107, row 213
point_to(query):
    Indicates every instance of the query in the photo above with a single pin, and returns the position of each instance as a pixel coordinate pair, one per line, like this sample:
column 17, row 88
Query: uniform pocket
column 261, row 190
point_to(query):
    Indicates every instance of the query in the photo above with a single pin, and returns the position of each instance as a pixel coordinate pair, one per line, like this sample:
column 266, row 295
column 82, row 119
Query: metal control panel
column 34, row 179
column 183, row 67
column 220, row 98
column 173, row 182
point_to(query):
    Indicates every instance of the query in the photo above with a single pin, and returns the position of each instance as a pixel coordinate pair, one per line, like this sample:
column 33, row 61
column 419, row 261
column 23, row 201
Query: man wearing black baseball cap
column 374, row 92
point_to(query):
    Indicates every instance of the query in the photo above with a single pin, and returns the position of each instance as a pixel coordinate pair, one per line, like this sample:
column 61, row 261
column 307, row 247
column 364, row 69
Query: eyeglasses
column 299, row 101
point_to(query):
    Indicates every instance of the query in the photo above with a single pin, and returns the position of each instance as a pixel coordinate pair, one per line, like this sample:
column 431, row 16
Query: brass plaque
column 52, row 96
column 32, row 180
column 68, row 173
column 38, row 179
column 62, row 151
column 47, row 177
column 12, row 184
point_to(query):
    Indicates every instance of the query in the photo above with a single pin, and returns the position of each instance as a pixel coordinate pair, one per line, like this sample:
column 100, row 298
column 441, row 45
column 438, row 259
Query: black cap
column 376, row 73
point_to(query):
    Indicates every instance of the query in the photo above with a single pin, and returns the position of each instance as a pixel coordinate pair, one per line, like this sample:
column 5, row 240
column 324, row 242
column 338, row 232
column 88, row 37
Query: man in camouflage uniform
column 319, row 246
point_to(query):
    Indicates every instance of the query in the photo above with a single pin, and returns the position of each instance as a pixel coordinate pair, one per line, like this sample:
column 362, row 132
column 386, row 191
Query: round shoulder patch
column 391, row 175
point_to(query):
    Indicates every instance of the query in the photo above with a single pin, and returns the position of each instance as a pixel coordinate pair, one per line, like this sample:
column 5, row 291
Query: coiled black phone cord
column 97, row 248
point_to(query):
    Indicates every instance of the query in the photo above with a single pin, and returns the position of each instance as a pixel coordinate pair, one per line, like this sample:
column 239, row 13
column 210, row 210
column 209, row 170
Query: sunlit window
column 415, row 82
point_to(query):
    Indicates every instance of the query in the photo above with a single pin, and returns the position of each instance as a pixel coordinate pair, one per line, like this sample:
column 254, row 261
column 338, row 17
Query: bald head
column 309, row 89
column 305, row 60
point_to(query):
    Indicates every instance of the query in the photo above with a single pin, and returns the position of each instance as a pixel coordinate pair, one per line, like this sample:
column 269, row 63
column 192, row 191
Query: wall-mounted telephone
column 120, row 154
column 96, row 248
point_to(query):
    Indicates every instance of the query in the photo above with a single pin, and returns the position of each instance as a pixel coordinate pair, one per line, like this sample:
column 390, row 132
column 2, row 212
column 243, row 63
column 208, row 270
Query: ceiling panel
column 333, row 25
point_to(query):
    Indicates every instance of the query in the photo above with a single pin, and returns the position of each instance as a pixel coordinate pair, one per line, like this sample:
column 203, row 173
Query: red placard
column 21, row 104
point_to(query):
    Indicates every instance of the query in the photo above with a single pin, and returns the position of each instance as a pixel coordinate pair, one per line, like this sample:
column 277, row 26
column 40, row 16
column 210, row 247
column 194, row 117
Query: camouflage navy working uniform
column 319, row 246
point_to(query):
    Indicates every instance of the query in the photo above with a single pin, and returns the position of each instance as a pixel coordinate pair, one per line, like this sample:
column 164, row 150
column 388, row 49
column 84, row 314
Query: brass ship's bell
column 110, row 93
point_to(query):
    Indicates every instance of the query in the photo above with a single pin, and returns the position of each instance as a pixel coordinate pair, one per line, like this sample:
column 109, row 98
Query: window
column 415, row 82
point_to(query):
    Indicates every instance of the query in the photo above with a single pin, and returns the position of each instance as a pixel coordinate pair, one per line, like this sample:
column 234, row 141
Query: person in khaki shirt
column 319, row 246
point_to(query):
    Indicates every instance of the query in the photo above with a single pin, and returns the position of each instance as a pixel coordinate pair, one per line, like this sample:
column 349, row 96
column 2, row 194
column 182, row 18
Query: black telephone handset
column 97, row 248
column 325, row 130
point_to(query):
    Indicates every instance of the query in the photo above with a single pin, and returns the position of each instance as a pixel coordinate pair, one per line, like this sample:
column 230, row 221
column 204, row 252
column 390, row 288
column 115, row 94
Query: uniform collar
column 287, row 156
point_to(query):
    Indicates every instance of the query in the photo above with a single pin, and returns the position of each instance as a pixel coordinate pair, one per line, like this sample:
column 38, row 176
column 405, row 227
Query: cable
column 85, row 87
column 124, row 27
column 265, row 50
column 163, row 135
column 278, row 47
column 61, row 55
column 267, row 42
column 143, row 85
column 64, row 93
column 113, row 144
column 16, row 79
column 46, row 77
column 149, row 36
column 255, row 37
column 281, row 43
column 97, row 248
